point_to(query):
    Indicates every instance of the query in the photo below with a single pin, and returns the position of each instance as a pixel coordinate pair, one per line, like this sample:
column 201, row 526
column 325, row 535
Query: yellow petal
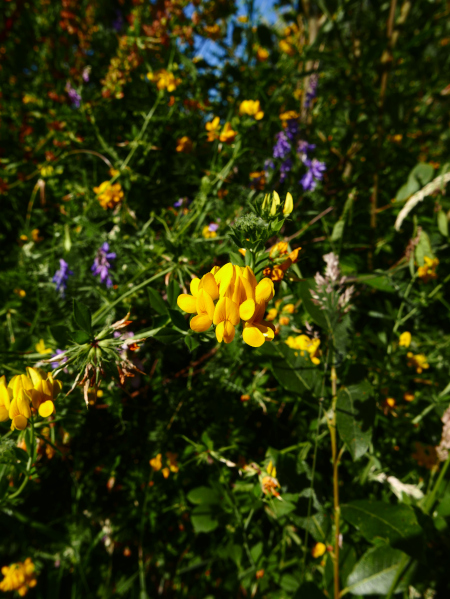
column 194, row 286
column 201, row 323
column 214, row 270
column 219, row 331
column 35, row 375
column 23, row 404
column 37, row 397
column 288, row 205
column 229, row 332
column 264, row 291
column 226, row 277
column 46, row 409
column 4, row 414
column 252, row 335
column 247, row 309
column 209, row 285
column 5, row 396
column 187, row 303
column 204, row 304
column 232, row 310
column 57, row 386
column 19, row 422
column 220, row 312
column 275, row 202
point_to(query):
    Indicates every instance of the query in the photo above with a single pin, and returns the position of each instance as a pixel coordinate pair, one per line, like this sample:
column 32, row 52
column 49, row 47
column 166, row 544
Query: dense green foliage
column 164, row 485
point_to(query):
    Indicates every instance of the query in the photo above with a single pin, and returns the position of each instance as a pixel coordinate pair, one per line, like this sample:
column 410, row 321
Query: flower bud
column 288, row 204
column 275, row 203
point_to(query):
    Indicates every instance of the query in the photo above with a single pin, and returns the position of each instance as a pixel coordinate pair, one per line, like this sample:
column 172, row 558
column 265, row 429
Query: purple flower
column 213, row 227
column 118, row 21
column 303, row 147
column 74, row 96
column 61, row 276
column 56, row 364
column 292, row 128
column 178, row 203
column 285, row 167
column 313, row 174
column 268, row 164
column 282, row 148
column 101, row 264
column 85, row 74
column 312, row 91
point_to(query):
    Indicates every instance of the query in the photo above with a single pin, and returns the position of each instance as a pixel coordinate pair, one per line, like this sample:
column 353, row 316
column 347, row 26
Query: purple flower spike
column 282, row 148
column 303, row 148
column 292, row 129
column 74, row 96
column 57, row 364
column 285, row 167
column 102, row 265
column 61, row 276
column 312, row 91
column 313, row 174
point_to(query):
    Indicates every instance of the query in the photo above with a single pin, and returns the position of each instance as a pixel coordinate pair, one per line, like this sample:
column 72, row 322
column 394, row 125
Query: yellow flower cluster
column 270, row 484
column 207, row 233
column 428, row 270
column 287, row 45
column 304, row 343
column 405, row 339
column 164, row 80
column 36, row 389
column 239, row 297
column 226, row 136
column 18, row 577
column 109, row 195
column 172, row 464
column 281, row 260
column 184, row 144
column 251, row 108
column 418, row 361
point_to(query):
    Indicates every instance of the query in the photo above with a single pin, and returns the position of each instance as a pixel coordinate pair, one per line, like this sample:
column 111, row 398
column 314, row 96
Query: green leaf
column 295, row 372
column 82, row 316
column 423, row 248
column 396, row 524
column 156, row 301
column 60, row 334
column 168, row 335
column 173, row 291
column 375, row 572
column 423, row 172
column 203, row 519
column 204, row 495
column 80, row 337
column 191, row 342
column 354, row 417
column 178, row 320
column 442, row 223
column 382, row 282
column 317, row 315
column 338, row 230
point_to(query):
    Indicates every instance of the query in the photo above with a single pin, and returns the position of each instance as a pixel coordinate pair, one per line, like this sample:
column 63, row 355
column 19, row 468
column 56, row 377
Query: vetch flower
column 102, row 265
column 251, row 108
column 405, row 339
column 313, row 174
column 285, row 168
column 74, row 96
column 282, row 147
column 61, row 275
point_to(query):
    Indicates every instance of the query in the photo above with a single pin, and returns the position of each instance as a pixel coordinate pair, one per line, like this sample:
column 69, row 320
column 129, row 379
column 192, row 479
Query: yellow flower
column 289, row 115
column 156, row 463
column 428, row 270
column 27, row 99
column 47, row 171
column 405, row 339
column 41, row 349
column 288, row 205
column 213, row 129
column 165, row 472
column 172, row 459
column 19, row 577
column 227, row 135
column 20, row 410
column 418, row 361
column 318, row 550
column 284, row 320
column 207, row 234
column 271, row 314
column 45, row 391
column 164, row 80
column 20, row 292
column 271, row 470
column 262, row 54
column 109, row 195
column 251, row 108
column 304, row 343
column 35, row 236
column 6, row 396
column 243, row 19
column 184, row 144
column 289, row 308
column 408, row 396
column 213, row 31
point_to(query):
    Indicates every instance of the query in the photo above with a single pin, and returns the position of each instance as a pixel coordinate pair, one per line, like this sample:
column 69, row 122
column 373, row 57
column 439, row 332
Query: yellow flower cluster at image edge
column 36, row 389
column 18, row 577
column 239, row 297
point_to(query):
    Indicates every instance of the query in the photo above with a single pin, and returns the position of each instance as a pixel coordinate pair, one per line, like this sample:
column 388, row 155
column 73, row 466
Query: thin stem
column 335, row 457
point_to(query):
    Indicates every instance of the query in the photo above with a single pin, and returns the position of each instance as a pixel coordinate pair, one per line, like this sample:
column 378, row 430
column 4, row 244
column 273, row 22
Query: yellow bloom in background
column 227, row 135
column 213, row 31
column 428, row 270
column 251, row 108
column 262, row 54
column 172, row 459
column 164, row 80
column 405, row 339
column 156, row 463
column 20, row 292
column 408, row 396
column 284, row 320
column 243, row 19
column 184, row 144
column 271, row 469
column 109, row 195
column 318, row 550
column 19, row 577
column 6, row 396
column 289, row 115
column 271, row 314
column 165, row 472
column 288, row 308
column 418, row 361
column 47, row 171
column 41, row 349
column 213, row 129
column 258, row 180
column 304, row 343
column 35, row 236
column 207, row 233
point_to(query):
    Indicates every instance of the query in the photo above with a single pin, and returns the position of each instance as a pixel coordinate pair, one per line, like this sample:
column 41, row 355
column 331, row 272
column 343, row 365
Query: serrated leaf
column 375, row 572
column 354, row 417
column 82, row 316
column 156, row 301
